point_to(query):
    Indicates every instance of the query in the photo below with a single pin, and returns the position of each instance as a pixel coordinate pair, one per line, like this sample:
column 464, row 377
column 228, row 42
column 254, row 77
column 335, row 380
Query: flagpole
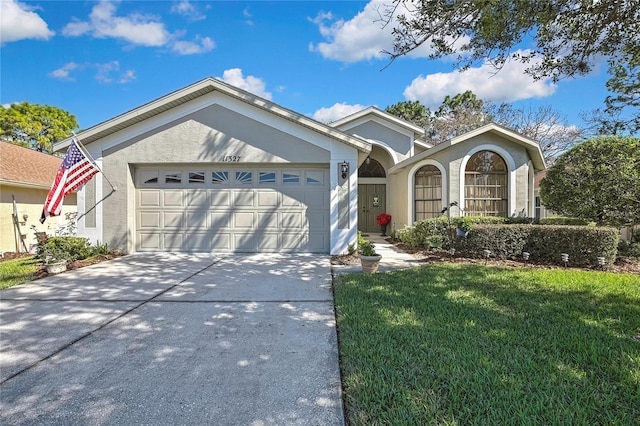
column 86, row 153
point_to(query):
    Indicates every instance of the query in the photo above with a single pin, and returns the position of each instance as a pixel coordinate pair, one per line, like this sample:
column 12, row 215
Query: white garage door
column 235, row 209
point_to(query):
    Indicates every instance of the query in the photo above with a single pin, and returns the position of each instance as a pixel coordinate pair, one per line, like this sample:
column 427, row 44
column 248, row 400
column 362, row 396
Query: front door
column 372, row 200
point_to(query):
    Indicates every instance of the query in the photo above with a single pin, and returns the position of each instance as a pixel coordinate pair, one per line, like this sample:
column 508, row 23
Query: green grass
column 466, row 344
column 17, row 271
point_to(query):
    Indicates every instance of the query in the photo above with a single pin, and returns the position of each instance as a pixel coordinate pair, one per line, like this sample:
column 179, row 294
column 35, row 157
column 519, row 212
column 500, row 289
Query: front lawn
column 18, row 271
column 468, row 344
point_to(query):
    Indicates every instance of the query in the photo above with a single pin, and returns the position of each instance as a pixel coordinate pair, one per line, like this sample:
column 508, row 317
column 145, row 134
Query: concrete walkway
column 166, row 339
column 392, row 257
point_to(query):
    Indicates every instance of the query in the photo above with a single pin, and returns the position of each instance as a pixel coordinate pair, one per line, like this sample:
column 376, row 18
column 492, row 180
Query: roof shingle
column 26, row 166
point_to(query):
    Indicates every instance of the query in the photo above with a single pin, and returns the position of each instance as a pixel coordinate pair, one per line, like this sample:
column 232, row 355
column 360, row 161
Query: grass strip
column 468, row 344
column 17, row 271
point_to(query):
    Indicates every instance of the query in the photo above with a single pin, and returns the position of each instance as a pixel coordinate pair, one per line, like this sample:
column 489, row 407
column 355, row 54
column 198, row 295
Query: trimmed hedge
column 583, row 244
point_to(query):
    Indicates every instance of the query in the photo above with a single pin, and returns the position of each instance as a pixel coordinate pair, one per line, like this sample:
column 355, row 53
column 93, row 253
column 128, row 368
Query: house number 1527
column 231, row 158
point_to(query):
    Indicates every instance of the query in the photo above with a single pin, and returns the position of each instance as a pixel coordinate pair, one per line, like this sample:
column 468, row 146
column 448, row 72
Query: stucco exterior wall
column 29, row 201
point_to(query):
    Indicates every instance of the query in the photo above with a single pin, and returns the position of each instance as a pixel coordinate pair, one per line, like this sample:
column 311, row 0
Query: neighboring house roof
column 26, row 167
column 537, row 178
column 196, row 90
column 532, row 146
column 417, row 130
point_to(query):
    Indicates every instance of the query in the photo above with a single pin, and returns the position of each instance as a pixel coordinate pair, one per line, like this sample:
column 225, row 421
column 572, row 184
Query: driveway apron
column 172, row 339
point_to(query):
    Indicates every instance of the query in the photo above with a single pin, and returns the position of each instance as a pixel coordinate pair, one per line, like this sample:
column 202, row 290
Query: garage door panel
column 243, row 220
column 197, row 220
column 172, row 219
column 267, row 199
column 220, row 199
column 243, row 198
column 197, row 198
column 149, row 198
column 221, row 242
column 292, row 198
column 315, row 200
column 292, row 220
column 268, row 220
column 173, row 198
column 198, row 241
column 220, row 220
column 149, row 241
column 294, row 241
column 268, row 242
column 173, row 241
column 246, row 242
column 149, row 219
column 318, row 242
column 319, row 217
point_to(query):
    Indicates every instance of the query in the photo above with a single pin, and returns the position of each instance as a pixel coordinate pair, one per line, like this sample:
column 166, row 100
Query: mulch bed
column 42, row 271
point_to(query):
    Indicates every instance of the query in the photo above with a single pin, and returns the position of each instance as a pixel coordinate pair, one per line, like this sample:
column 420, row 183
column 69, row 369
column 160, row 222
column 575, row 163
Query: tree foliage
column 413, row 111
column 35, row 126
column 571, row 37
column 458, row 115
column 597, row 180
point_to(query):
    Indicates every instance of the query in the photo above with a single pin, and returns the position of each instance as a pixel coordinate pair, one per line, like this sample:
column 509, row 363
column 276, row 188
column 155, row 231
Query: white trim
column 531, row 198
column 511, row 173
column 390, row 151
column 411, row 186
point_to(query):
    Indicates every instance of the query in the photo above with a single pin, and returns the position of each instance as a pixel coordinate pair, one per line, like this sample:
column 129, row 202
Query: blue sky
column 319, row 58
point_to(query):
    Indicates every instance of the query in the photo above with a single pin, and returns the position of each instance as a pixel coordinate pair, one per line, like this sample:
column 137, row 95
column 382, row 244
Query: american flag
column 75, row 171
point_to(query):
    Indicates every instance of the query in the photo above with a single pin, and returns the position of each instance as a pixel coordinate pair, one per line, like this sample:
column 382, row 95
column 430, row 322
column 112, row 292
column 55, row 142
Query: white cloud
column 363, row 37
column 64, row 73
column 201, row 45
column 136, row 28
column 509, row 84
column 247, row 15
column 250, row 83
column 107, row 70
column 188, row 10
column 360, row 38
column 336, row 112
column 19, row 22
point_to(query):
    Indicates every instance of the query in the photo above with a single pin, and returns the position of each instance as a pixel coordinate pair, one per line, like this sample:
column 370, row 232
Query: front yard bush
column 73, row 248
column 507, row 239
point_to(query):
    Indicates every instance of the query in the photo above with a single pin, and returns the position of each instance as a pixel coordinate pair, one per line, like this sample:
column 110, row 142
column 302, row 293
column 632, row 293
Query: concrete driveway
column 165, row 339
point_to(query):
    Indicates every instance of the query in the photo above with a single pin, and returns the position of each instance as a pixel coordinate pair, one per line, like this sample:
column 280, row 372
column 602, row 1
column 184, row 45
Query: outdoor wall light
column 344, row 169
column 368, row 160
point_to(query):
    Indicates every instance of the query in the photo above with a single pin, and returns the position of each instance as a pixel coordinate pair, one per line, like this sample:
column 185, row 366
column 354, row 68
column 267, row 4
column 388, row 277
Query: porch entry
column 372, row 200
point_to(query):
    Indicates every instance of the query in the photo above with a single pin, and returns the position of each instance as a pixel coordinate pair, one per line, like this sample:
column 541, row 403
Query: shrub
column 70, row 248
column 568, row 221
column 583, row 244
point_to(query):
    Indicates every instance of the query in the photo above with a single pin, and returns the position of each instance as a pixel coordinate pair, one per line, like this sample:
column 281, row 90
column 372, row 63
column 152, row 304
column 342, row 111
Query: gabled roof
column 25, row 167
column 532, row 147
column 376, row 112
column 200, row 88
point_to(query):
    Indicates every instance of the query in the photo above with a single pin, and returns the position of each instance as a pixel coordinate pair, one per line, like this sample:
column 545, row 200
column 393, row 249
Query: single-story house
column 26, row 177
column 213, row 168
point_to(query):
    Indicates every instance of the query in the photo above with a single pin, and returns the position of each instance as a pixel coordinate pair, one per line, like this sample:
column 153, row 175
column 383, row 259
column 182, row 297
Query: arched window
column 485, row 185
column 371, row 169
column 427, row 192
